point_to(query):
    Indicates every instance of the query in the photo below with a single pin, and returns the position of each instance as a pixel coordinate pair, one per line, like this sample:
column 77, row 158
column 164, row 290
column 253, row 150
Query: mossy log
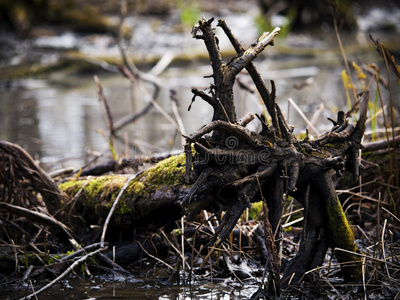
column 152, row 198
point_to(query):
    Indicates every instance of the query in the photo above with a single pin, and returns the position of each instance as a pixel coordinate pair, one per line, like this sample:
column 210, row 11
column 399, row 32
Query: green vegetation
column 170, row 171
column 100, row 192
column 255, row 209
column 344, row 239
column 190, row 12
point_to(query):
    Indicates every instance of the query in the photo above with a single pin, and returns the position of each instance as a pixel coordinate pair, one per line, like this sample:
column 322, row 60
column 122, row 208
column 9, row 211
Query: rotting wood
column 151, row 200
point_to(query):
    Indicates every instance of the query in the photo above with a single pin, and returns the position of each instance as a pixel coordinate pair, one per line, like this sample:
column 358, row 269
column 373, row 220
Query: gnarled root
column 234, row 166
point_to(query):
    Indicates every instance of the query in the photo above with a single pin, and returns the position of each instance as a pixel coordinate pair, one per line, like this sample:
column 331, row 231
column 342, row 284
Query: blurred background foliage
column 21, row 16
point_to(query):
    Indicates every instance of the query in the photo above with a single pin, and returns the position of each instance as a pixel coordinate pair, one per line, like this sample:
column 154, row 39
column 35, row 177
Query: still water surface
column 57, row 118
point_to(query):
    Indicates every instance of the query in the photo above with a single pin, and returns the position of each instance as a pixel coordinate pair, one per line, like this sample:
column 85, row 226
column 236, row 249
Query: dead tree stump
column 233, row 166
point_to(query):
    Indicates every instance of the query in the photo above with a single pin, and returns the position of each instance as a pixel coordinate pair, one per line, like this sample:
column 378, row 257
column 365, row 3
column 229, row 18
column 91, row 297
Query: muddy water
column 110, row 289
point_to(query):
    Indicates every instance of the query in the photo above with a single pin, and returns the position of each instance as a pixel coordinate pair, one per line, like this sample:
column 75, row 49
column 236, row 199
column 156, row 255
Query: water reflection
column 97, row 288
column 57, row 119
column 52, row 122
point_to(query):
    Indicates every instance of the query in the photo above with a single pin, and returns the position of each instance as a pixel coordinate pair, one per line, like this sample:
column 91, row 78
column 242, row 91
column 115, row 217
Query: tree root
column 234, row 166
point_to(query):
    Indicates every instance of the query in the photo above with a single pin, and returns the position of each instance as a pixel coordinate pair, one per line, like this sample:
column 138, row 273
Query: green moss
column 137, row 187
column 255, row 209
column 123, row 208
column 342, row 233
column 343, row 237
column 301, row 136
column 100, row 192
column 170, row 171
column 322, row 153
column 71, row 186
column 105, row 186
column 337, row 145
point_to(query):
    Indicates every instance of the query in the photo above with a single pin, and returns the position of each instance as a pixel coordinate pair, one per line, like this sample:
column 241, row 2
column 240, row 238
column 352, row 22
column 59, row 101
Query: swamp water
column 59, row 119
column 110, row 288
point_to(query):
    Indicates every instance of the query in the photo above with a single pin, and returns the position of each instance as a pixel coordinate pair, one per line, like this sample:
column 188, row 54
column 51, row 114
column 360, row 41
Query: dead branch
column 65, row 273
column 21, row 178
column 379, row 145
column 39, row 217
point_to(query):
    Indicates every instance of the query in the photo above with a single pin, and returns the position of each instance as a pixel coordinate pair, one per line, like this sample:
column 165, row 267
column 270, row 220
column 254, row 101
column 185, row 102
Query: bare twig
column 383, row 247
column 229, row 128
column 110, row 213
column 334, row 16
column 156, row 258
column 383, row 144
column 273, row 259
column 178, row 118
column 65, row 273
column 135, row 80
column 146, row 77
column 246, row 119
column 107, row 112
column 304, row 116
column 38, row 217
column 267, row 96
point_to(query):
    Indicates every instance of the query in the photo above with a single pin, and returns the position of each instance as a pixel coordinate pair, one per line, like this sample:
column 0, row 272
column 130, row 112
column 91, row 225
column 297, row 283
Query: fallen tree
column 225, row 168
column 231, row 167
